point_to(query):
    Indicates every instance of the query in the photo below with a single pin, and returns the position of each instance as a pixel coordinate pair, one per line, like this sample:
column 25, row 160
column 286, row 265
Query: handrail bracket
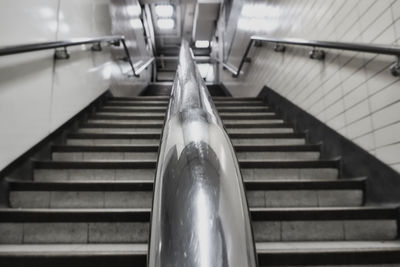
column 317, row 51
column 61, row 53
column 279, row 48
column 96, row 47
column 317, row 54
column 395, row 69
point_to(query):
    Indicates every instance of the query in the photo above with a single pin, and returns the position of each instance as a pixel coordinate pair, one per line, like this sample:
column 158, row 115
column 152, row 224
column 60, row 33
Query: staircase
column 90, row 205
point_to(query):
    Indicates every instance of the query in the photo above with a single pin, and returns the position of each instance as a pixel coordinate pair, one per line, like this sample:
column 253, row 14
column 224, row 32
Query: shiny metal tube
column 200, row 216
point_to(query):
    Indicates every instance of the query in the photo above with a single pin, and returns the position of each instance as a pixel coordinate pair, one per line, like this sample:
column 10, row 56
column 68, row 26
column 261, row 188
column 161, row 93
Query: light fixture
column 164, row 10
column 136, row 23
column 133, row 10
column 166, row 24
column 202, row 44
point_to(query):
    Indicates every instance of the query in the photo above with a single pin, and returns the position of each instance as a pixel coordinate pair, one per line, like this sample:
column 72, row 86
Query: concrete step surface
column 19, row 226
column 138, row 194
column 317, row 254
column 90, row 205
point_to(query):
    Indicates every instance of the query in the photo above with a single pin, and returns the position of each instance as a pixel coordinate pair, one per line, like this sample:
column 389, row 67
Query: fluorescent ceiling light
column 134, row 10
column 164, row 10
column 136, row 23
column 166, row 24
column 202, row 44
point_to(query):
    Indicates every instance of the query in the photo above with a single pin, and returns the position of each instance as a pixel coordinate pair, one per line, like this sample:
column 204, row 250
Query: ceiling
column 189, row 24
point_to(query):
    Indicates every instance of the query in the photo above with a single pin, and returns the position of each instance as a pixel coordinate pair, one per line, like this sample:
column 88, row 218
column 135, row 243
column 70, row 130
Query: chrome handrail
column 391, row 50
column 114, row 40
column 200, row 216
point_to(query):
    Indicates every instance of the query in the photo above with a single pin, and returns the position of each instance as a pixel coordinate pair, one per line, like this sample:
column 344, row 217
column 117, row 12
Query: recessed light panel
column 164, row 10
column 166, row 24
column 202, row 44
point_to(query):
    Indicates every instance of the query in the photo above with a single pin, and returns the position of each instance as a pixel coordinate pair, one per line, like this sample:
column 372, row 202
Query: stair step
column 141, row 110
column 81, row 186
column 147, row 135
column 141, row 169
column 144, row 135
column 131, row 152
column 328, row 253
column 138, row 194
column 269, row 224
column 136, row 103
column 148, row 104
column 239, row 104
column 251, row 123
column 266, row 135
column 290, row 170
column 104, row 152
column 100, row 116
column 306, row 193
column 324, row 224
column 106, row 148
column 265, row 130
column 245, row 164
column 143, row 138
column 137, row 123
column 227, row 98
column 155, row 125
column 79, row 255
column 141, row 98
column 243, row 109
column 154, row 148
column 144, row 164
column 278, row 148
column 46, row 226
column 257, row 125
column 138, row 115
column 260, row 139
column 277, row 152
column 94, row 170
column 249, row 116
column 92, row 127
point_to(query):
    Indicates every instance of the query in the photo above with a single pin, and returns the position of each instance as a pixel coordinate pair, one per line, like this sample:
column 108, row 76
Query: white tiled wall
column 38, row 94
column 354, row 93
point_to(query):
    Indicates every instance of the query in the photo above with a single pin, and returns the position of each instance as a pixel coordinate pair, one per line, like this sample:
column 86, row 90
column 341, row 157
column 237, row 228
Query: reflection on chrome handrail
column 200, row 216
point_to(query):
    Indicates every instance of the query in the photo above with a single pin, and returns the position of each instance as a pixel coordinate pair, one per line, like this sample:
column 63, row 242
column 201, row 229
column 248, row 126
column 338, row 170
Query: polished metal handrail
column 200, row 216
column 114, row 40
column 319, row 54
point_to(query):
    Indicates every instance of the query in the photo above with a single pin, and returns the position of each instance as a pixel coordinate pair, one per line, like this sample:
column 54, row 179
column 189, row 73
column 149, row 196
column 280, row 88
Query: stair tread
column 141, row 248
column 371, row 212
column 288, row 148
column 138, row 97
column 110, row 135
column 324, row 213
column 244, row 135
column 73, row 249
column 289, row 164
column 121, row 125
column 131, row 163
column 96, row 164
column 147, row 185
column 326, row 246
column 154, row 148
column 229, row 98
column 75, row 215
column 126, row 117
column 105, row 148
column 158, row 135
